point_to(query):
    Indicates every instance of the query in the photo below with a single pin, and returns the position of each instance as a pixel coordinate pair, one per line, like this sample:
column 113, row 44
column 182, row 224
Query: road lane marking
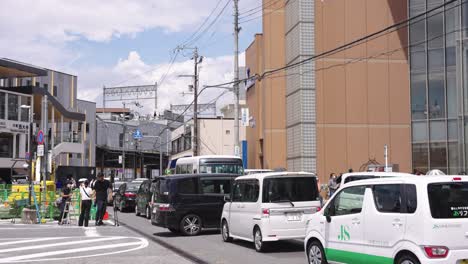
column 61, row 244
column 142, row 243
column 27, row 240
column 91, row 232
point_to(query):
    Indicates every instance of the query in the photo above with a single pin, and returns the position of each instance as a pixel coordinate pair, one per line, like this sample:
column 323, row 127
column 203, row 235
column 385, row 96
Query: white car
column 357, row 176
column 270, row 207
column 402, row 220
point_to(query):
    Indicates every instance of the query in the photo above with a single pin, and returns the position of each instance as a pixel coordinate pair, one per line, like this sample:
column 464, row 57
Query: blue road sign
column 137, row 134
column 40, row 137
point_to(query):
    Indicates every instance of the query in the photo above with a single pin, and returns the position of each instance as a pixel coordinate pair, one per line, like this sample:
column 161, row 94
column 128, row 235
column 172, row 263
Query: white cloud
column 213, row 71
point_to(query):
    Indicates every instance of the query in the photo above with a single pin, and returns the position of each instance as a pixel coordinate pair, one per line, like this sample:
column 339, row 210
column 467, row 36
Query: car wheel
column 174, row 230
column 136, row 211
column 191, row 225
column 408, row 259
column 316, row 254
column 260, row 245
column 148, row 212
column 225, row 232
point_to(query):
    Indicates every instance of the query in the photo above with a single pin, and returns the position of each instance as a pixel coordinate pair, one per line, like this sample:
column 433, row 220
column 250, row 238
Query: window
column 55, row 91
column 294, row 189
column 6, row 145
column 13, row 107
column 246, row 191
column 448, row 200
column 411, row 198
column 188, row 186
column 387, row 198
column 348, row 201
column 216, row 186
column 228, row 132
column 25, row 100
column 2, row 105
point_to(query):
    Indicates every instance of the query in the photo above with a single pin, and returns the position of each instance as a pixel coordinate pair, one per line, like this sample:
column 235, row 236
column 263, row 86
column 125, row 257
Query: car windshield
column 290, row 189
column 359, row 178
column 448, row 200
column 133, row 187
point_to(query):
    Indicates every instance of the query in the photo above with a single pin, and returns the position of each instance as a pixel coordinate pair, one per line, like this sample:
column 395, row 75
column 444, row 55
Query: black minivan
column 188, row 203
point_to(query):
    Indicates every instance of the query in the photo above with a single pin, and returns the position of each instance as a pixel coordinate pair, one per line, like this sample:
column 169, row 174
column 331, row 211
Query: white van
column 357, row 176
column 404, row 220
column 270, row 207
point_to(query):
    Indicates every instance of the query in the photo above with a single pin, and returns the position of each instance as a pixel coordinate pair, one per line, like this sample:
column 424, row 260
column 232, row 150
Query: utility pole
column 123, row 142
column 45, row 158
column 236, row 78
column 195, row 104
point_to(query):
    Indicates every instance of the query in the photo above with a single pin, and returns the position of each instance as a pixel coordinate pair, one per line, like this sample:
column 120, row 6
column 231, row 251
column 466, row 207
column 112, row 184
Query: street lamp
column 29, row 149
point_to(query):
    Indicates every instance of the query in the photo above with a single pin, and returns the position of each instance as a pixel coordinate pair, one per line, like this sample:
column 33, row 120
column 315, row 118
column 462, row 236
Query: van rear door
column 448, row 203
column 290, row 201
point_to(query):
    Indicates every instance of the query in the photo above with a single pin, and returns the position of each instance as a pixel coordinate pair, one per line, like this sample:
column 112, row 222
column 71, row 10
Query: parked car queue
column 370, row 219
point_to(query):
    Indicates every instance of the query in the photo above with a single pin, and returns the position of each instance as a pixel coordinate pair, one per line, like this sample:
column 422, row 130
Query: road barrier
column 13, row 200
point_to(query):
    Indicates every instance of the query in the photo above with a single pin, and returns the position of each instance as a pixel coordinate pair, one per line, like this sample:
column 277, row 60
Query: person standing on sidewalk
column 86, row 193
column 102, row 187
column 332, row 185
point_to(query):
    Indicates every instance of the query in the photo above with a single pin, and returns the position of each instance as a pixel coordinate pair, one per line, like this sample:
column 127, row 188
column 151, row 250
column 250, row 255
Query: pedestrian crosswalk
column 13, row 250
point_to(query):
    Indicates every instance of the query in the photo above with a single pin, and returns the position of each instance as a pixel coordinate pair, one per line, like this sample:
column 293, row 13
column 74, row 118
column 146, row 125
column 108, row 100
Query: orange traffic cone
column 106, row 216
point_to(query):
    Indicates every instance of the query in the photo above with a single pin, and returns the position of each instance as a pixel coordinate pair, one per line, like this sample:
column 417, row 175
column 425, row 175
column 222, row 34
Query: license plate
column 294, row 217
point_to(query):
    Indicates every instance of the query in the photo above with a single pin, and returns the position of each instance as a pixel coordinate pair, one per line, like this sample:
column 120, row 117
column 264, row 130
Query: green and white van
column 401, row 220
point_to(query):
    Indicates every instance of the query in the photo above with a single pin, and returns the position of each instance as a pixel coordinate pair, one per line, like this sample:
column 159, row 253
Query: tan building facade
column 349, row 105
column 267, row 98
column 363, row 95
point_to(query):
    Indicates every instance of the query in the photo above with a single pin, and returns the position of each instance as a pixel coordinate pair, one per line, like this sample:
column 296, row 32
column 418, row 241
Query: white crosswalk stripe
column 58, row 248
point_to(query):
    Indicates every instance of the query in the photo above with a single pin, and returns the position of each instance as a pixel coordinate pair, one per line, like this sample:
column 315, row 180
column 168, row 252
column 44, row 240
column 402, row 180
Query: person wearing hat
column 86, row 194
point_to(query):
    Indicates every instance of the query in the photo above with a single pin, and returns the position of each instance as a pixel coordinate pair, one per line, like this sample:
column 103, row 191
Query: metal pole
column 236, row 78
column 160, row 156
column 386, row 157
column 195, row 104
column 30, row 153
column 155, row 99
column 123, row 143
column 46, row 150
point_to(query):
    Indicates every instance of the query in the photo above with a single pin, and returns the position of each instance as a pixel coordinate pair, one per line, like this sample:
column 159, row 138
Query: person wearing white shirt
column 86, row 201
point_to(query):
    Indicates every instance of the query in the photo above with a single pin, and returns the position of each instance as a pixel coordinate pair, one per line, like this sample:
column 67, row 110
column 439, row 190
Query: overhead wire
column 371, row 36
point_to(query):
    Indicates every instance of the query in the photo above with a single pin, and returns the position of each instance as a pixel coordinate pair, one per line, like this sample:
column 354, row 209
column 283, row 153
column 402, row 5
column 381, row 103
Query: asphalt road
column 209, row 247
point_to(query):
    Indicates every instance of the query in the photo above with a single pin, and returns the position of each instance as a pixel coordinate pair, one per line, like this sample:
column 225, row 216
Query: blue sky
column 107, row 42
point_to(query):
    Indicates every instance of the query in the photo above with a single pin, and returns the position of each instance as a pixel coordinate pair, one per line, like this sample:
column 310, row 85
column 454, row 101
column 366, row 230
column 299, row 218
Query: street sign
column 40, row 150
column 120, row 159
column 137, row 134
column 40, row 137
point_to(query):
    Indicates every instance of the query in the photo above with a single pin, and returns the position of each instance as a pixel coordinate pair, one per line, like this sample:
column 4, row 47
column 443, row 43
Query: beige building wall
column 362, row 104
column 217, row 136
column 266, row 99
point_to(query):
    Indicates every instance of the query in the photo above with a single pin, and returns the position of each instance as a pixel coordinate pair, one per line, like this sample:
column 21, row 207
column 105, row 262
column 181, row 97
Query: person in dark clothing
column 102, row 187
column 86, row 194
column 66, row 196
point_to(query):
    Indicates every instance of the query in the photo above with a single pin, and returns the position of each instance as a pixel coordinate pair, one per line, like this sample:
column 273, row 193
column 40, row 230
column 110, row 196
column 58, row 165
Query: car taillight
column 265, row 213
column 457, row 178
column 436, row 251
column 318, row 209
column 130, row 195
column 164, row 207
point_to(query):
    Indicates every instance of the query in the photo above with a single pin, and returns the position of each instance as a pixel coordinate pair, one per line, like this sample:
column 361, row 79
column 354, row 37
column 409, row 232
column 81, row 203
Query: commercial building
column 119, row 147
column 67, row 122
column 339, row 110
column 266, row 98
column 215, row 138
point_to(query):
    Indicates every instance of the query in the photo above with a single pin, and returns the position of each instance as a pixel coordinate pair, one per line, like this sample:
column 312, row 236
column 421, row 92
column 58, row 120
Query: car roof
column 182, row 176
column 376, row 173
column 261, row 176
column 410, row 179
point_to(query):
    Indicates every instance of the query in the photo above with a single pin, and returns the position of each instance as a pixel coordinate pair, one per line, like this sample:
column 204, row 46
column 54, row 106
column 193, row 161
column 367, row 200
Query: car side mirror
column 227, row 198
column 328, row 218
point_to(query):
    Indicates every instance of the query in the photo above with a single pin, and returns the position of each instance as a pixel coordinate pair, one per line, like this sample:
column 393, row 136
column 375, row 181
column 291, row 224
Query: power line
column 257, row 9
column 201, row 25
column 374, row 35
column 209, row 26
